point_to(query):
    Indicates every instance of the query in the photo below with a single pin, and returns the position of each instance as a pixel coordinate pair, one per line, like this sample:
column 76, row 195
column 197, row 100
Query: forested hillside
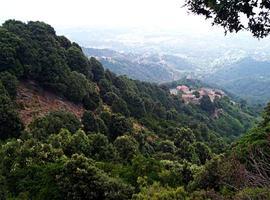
column 132, row 140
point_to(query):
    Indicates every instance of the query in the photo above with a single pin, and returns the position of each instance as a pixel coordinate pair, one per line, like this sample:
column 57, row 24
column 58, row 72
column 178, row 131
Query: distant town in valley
column 194, row 96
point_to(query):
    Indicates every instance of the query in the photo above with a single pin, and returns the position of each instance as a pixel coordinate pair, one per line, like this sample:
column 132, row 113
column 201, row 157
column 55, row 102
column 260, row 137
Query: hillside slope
column 146, row 67
column 90, row 134
column 35, row 102
column 247, row 78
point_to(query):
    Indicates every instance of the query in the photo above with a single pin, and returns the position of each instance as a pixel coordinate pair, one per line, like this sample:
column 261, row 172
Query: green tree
column 118, row 126
column 206, row 104
column 157, row 192
column 127, row 147
column 184, row 134
column 203, row 152
column 81, row 179
column 110, row 97
column 89, row 122
column 10, row 83
column 10, row 123
column 53, row 122
column 166, row 146
column 120, row 106
column 97, row 69
column 78, row 87
column 77, row 61
column 229, row 14
column 135, row 104
column 9, row 46
column 101, row 149
column 91, row 101
column 71, row 143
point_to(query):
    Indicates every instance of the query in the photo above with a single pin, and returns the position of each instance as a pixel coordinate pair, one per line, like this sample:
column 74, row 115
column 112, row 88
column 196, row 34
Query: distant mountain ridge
column 247, row 78
column 146, row 67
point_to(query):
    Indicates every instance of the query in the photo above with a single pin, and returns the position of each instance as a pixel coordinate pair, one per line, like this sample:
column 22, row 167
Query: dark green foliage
column 35, row 52
column 37, row 182
column 135, row 104
column 97, row 69
column 183, row 134
column 106, row 117
column 78, row 87
column 89, row 122
column 164, row 150
column 159, row 111
column 78, row 62
column 53, row 122
column 10, row 124
column 9, row 45
column 102, row 126
column 118, row 126
column 109, row 98
column 207, row 105
column 10, row 83
column 127, row 147
column 79, row 171
column 166, row 146
column 120, row 106
column 71, row 143
column 91, row 101
column 235, row 15
column 101, row 149
column 64, row 42
column 105, row 86
column 203, row 152
column 145, row 167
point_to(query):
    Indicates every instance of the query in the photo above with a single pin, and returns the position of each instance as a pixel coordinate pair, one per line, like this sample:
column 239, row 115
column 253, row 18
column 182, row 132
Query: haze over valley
column 160, row 56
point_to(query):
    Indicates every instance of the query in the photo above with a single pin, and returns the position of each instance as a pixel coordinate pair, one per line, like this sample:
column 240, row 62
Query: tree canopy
column 235, row 15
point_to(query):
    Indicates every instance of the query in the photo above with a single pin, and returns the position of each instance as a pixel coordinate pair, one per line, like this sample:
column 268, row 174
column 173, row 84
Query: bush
column 10, row 123
column 120, row 106
column 97, row 69
column 78, row 62
column 53, row 122
column 118, row 126
column 253, row 193
column 10, row 83
column 89, row 122
column 158, row 192
column 81, row 179
column 77, row 87
column 127, row 147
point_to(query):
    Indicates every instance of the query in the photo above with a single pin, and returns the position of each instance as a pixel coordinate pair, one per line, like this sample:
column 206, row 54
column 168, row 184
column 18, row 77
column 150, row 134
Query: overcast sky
column 113, row 13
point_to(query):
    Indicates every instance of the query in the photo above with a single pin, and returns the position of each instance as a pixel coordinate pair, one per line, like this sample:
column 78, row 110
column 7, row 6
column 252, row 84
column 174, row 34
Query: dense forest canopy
column 134, row 139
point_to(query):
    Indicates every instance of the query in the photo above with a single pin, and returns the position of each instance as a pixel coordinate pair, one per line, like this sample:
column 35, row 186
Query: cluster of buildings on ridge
column 194, row 95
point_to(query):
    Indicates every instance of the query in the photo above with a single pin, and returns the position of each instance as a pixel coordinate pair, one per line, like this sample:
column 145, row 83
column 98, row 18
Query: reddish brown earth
column 33, row 102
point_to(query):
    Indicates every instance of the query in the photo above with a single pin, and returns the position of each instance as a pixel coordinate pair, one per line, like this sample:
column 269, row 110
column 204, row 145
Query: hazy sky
column 113, row 13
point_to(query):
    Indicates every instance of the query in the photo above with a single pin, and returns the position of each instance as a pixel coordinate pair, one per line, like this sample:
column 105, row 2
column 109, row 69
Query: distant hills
column 247, row 78
column 145, row 67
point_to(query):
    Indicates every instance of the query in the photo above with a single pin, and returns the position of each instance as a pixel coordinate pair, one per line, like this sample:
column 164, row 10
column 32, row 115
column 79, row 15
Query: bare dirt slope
column 33, row 102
